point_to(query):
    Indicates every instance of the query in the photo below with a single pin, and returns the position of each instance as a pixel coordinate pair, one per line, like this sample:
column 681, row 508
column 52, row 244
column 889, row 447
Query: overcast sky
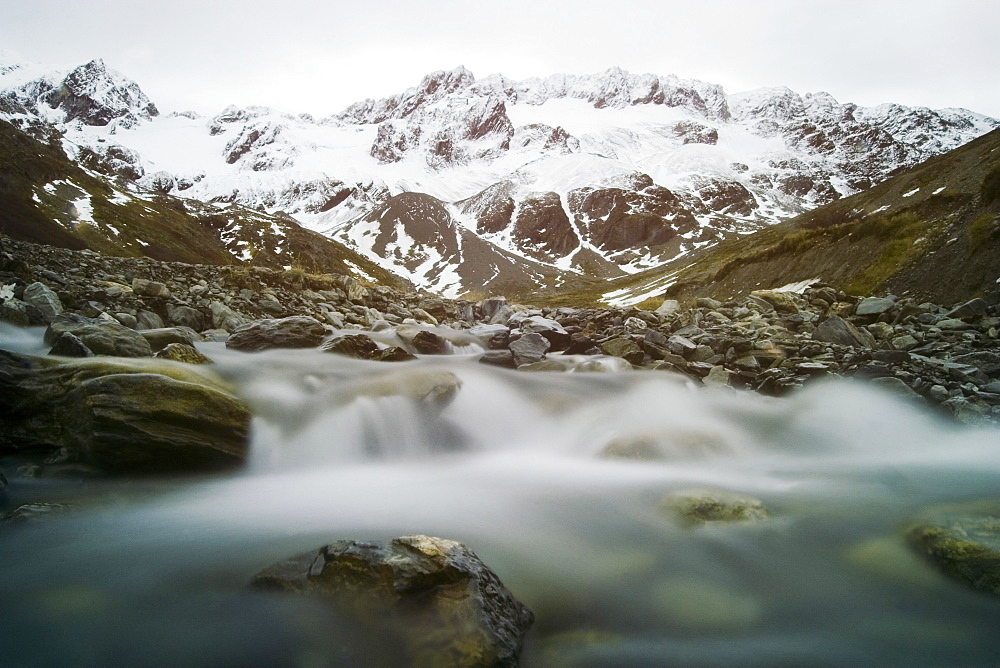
column 319, row 57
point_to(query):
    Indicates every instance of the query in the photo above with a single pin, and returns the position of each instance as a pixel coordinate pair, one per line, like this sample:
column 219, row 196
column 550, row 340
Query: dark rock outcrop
column 292, row 332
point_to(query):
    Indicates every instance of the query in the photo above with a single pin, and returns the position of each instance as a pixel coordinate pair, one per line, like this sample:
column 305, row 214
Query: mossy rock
column 695, row 507
column 121, row 416
column 962, row 543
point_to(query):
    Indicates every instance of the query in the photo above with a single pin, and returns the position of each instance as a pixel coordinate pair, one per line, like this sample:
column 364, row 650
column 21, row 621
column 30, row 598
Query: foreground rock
column 965, row 545
column 433, row 596
column 101, row 337
column 119, row 416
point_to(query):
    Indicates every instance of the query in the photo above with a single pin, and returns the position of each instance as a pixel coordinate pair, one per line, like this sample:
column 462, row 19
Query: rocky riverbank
column 946, row 356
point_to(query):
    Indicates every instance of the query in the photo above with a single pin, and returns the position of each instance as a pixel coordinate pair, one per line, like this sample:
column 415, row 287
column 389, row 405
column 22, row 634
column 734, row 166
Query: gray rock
column 501, row 358
column 529, row 348
column 15, row 312
column 494, row 337
column 837, row 330
column 433, row 596
column 874, row 306
column 627, row 349
column 126, row 320
column 636, row 326
column 668, row 308
column 226, row 318
column 148, row 320
column 896, row 386
column 358, row 346
column 970, row 309
column 292, row 332
column 47, row 302
column 121, row 416
column 709, row 303
column 146, row 288
column 100, row 336
column 489, row 308
column 181, row 315
column 550, row 329
column 428, row 343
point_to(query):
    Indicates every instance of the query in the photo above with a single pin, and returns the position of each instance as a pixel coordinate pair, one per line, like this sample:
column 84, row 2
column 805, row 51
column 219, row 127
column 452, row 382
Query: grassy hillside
column 932, row 232
column 47, row 198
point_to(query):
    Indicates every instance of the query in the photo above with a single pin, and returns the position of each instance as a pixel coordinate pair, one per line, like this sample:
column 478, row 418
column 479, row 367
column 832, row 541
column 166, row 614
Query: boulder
column 434, row 597
column 101, row 336
column 970, row 309
column 147, row 288
column 837, row 330
column 550, row 329
column 224, row 317
column 529, row 348
column 494, row 337
column 782, row 301
column 45, row 300
column 429, row 343
column 874, row 306
column 668, row 307
column 121, row 416
column 297, row 331
column 181, row 315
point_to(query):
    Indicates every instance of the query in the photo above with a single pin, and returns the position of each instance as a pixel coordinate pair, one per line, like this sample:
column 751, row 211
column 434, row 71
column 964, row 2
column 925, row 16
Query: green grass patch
column 982, row 230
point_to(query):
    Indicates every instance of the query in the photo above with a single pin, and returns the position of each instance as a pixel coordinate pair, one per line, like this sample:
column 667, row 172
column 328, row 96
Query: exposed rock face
column 616, row 219
column 97, row 96
column 543, row 228
column 291, row 332
column 121, row 417
column 435, row 597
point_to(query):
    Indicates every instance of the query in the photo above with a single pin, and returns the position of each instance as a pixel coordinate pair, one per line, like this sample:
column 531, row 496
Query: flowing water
column 511, row 464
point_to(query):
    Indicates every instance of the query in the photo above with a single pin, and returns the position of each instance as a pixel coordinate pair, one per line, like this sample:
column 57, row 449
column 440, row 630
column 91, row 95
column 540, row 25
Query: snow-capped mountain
column 492, row 185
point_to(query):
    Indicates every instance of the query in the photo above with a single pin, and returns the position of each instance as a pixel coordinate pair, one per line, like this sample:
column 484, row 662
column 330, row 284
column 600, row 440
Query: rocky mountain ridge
column 564, row 179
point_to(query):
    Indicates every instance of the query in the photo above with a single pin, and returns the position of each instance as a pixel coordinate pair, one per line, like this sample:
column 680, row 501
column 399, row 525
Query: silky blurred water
column 512, row 464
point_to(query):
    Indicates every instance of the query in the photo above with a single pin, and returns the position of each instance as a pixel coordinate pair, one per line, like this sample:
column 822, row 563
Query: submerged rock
column 693, row 507
column 964, row 544
column 182, row 352
column 433, row 596
column 121, row 416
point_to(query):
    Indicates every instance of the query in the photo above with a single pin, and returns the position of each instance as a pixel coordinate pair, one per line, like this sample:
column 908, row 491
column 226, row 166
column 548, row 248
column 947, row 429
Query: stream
column 514, row 464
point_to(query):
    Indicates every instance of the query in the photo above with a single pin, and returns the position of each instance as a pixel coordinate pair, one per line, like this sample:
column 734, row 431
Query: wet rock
column 148, row 320
column 160, row 338
column 962, row 543
column 121, row 416
column 837, row 330
column 45, row 300
column 501, row 358
column 358, row 346
column 529, row 348
column 428, row 343
column 693, row 507
column 15, row 312
column 100, row 336
column 292, row 332
column 494, row 337
column 182, row 352
column 392, row 354
column 70, row 345
column 32, row 512
column 433, row 596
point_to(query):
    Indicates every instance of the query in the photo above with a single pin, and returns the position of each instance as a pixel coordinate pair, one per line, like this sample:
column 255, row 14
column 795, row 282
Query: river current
column 515, row 465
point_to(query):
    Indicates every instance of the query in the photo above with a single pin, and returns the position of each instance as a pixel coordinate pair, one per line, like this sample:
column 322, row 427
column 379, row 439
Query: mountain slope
column 932, row 232
column 559, row 181
column 46, row 198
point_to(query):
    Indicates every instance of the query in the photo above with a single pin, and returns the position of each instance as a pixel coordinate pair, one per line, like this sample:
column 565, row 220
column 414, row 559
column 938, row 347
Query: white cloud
column 299, row 55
